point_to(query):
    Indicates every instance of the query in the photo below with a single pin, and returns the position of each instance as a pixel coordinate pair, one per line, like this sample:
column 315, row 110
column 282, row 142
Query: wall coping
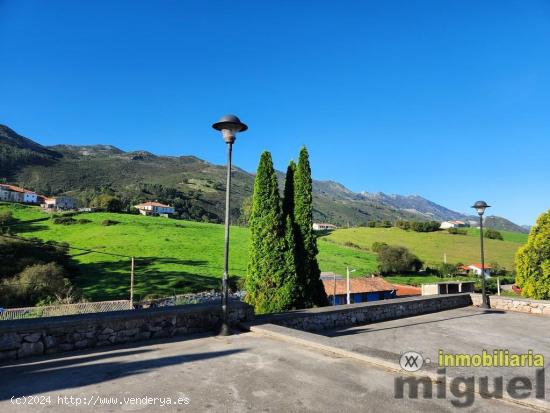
column 518, row 298
column 273, row 318
column 110, row 316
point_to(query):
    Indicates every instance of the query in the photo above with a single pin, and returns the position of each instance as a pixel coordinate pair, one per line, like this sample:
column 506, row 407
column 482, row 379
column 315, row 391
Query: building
column 448, row 287
column 453, row 224
column 323, row 227
column 361, row 290
column 59, row 203
column 154, row 208
column 12, row 193
column 476, row 269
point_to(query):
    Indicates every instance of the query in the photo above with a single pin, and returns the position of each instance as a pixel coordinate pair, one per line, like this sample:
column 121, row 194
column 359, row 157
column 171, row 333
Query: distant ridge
column 195, row 186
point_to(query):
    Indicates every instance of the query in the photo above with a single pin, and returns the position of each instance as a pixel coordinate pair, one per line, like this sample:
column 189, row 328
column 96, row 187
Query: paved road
column 244, row 372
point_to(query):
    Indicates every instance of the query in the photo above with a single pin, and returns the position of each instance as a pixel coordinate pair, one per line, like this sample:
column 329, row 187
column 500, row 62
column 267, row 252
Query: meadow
column 175, row 256
column 171, row 256
column 431, row 246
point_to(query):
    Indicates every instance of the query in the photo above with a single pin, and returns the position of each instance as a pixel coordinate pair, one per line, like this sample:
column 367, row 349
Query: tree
column 270, row 283
column 107, row 202
column 245, row 211
column 533, row 261
column 492, row 234
column 312, row 289
column 288, row 194
column 6, row 221
column 394, row 260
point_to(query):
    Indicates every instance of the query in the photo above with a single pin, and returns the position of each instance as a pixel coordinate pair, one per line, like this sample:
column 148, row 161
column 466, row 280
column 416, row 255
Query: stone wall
column 32, row 337
column 522, row 305
column 315, row 319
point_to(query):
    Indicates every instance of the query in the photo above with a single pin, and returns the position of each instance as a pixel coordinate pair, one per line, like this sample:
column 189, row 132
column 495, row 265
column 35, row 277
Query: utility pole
column 334, row 293
column 348, row 272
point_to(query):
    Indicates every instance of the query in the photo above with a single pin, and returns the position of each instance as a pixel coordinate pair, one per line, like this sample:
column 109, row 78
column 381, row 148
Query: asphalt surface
column 243, row 372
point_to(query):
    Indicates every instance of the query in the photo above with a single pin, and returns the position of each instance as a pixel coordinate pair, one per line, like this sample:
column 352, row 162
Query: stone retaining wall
column 323, row 318
column 522, row 305
column 31, row 337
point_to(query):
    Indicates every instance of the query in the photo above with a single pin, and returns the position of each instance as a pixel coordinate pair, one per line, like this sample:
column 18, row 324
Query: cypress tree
column 288, row 200
column 307, row 267
column 271, row 276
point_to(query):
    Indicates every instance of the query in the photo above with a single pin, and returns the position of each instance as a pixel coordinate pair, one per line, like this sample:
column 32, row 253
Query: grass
column 431, row 246
column 172, row 256
column 418, row 280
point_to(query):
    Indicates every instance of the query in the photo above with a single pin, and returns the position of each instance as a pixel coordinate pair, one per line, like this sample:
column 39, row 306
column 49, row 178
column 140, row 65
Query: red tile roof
column 358, row 285
column 407, row 290
column 14, row 188
column 153, row 203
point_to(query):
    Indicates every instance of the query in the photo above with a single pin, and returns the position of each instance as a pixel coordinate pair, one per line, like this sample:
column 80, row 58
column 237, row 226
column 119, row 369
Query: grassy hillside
column 431, row 246
column 171, row 255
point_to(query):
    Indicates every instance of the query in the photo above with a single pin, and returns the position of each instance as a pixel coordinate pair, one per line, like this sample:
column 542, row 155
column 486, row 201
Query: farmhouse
column 476, row 269
column 453, row 224
column 59, row 203
column 323, row 227
column 12, row 193
column 154, row 208
column 361, row 290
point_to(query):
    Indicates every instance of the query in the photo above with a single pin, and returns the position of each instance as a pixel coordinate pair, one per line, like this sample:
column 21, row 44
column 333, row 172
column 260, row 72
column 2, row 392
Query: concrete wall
column 32, row 337
column 522, row 305
column 315, row 319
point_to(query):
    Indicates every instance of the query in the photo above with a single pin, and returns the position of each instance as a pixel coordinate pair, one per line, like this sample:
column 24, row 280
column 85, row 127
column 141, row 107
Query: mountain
column 503, row 224
column 194, row 186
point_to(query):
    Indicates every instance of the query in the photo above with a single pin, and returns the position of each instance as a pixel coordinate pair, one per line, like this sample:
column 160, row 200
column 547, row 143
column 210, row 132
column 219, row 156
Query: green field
column 431, row 246
column 174, row 256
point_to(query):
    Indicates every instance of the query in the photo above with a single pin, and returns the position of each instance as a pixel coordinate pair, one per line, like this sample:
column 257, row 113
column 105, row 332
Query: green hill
column 172, row 256
column 431, row 246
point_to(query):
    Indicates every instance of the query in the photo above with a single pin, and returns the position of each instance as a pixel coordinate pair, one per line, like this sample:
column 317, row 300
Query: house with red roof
column 361, row 290
column 154, row 208
column 12, row 193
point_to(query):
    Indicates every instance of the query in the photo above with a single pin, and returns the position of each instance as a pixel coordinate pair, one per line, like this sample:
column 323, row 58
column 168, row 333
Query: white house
column 323, row 227
column 452, row 224
column 59, row 203
column 154, row 208
column 476, row 269
column 12, row 193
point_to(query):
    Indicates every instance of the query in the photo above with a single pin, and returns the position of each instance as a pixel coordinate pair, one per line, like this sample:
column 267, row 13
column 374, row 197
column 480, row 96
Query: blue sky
column 446, row 99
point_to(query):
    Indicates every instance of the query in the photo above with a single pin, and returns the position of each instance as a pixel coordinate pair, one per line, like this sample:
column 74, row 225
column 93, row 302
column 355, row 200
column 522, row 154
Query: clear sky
column 446, row 99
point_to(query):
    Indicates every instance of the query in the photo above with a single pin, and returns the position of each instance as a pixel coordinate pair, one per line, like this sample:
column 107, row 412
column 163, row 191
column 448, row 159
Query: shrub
column 492, row 234
column 425, row 226
column 446, row 270
column 392, row 259
column 350, row 244
column 378, row 246
column 371, row 224
column 84, row 221
column 108, row 222
column 457, row 231
column 64, row 220
column 404, row 225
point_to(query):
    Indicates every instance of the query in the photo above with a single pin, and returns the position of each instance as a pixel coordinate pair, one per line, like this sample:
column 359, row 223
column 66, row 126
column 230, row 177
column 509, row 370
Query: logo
column 411, row 361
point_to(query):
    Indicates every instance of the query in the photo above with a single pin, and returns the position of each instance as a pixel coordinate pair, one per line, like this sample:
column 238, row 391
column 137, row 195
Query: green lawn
column 519, row 237
column 171, row 255
column 431, row 246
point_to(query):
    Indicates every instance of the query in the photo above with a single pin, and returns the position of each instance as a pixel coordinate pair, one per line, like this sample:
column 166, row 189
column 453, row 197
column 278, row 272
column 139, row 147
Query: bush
column 37, row 283
column 84, row 221
column 404, row 225
column 393, row 259
column 371, row 224
column 64, row 221
column 457, row 231
column 107, row 202
column 352, row 245
column 492, row 234
column 108, row 222
column 425, row 226
column 6, row 220
column 446, row 270
column 378, row 246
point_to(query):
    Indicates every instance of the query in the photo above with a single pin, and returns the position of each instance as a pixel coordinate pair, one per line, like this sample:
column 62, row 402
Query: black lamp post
column 229, row 126
column 480, row 207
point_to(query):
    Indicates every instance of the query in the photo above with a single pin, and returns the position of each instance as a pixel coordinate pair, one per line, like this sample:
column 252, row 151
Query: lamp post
column 480, row 207
column 229, row 126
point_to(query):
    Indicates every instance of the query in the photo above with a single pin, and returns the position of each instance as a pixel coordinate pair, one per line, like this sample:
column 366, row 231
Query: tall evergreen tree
column 270, row 283
column 307, row 267
column 288, row 195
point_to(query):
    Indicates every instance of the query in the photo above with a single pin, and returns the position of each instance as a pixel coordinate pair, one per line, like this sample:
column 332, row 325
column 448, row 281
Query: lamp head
column 480, row 207
column 229, row 126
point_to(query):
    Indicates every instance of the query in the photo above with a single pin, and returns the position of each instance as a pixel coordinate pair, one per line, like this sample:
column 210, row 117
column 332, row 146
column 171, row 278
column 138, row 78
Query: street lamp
column 229, row 126
column 480, row 207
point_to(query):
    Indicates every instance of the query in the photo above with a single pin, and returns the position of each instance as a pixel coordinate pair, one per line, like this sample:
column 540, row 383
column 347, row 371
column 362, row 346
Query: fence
column 63, row 309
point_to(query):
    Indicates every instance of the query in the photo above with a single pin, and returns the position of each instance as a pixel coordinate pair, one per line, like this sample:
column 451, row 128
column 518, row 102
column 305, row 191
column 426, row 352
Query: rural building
column 361, row 290
column 12, row 193
column 448, row 287
column 453, row 224
column 154, row 208
column 476, row 269
column 323, row 227
column 59, row 203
